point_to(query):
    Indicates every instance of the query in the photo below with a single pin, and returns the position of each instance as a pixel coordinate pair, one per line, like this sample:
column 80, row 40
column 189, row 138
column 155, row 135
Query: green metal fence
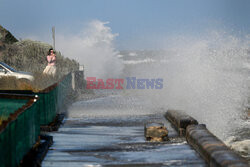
column 20, row 131
column 52, row 99
column 23, row 116
column 8, row 106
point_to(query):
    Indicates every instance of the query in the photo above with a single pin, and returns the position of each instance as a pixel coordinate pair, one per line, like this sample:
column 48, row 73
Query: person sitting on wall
column 51, row 67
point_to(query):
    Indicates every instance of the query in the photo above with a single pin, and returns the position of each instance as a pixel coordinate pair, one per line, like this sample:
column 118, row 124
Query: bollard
column 213, row 150
column 180, row 120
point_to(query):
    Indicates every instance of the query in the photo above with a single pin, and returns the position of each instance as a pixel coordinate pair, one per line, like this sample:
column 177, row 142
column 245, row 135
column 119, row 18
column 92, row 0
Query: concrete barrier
column 213, row 150
column 180, row 120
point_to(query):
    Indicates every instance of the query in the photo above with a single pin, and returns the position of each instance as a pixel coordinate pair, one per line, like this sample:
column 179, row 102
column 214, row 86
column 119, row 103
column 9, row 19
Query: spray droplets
column 95, row 49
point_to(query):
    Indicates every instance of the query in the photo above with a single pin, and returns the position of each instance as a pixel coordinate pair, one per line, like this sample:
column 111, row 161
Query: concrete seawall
column 213, row 150
column 180, row 120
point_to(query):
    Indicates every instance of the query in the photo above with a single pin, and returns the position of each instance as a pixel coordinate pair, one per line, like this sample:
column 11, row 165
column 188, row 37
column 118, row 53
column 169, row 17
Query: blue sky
column 140, row 23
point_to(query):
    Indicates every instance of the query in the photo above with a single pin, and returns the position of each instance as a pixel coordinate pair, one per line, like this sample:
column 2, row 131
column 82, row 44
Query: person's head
column 51, row 51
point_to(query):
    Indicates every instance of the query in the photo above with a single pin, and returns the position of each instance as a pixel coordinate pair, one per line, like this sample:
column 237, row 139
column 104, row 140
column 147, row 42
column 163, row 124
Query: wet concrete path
column 94, row 134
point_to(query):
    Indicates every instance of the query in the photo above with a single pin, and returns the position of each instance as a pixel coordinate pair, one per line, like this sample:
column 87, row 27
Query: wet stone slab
column 117, row 141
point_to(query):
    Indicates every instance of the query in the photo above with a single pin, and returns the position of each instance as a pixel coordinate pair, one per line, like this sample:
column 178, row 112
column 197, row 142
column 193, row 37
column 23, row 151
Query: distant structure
column 81, row 67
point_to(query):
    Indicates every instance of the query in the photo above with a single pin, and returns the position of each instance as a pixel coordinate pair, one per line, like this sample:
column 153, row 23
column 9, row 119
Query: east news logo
column 128, row 83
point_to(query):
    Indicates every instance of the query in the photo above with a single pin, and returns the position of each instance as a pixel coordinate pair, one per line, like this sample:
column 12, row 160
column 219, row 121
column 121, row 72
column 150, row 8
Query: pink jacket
column 51, row 60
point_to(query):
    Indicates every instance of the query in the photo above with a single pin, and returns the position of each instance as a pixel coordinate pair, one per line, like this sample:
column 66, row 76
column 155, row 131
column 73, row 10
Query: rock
column 6, row 37
column 156, row 132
